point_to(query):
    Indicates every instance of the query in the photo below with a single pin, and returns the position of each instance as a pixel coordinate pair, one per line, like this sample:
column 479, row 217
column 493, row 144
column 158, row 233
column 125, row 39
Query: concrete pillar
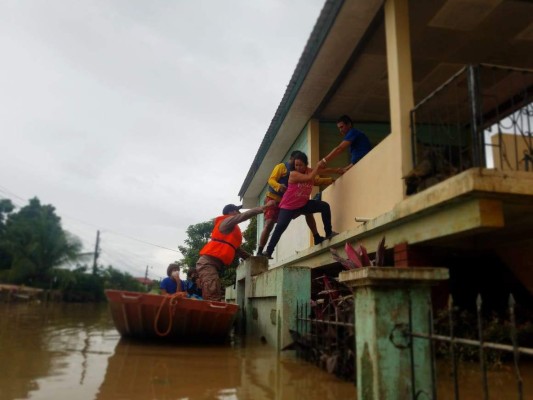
column 400, row 78
column 383, row 353
column 295, row 289
column 268, row 299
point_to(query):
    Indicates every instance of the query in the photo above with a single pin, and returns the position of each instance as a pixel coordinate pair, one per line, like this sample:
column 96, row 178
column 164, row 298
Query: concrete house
column 444, row 91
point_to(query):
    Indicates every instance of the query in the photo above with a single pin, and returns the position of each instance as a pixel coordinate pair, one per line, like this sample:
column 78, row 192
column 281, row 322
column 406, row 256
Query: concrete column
column 295, row 289
column 400, row 77
column 383, row 353
column 244, row 287
column 268, row 299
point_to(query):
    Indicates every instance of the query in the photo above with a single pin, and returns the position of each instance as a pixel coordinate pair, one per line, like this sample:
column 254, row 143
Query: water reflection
column 43, row 347
column 232, row 371
column 73, row 352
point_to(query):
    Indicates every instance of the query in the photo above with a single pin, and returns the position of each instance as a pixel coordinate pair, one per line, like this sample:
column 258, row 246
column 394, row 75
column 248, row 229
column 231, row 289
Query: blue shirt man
column 353, row 138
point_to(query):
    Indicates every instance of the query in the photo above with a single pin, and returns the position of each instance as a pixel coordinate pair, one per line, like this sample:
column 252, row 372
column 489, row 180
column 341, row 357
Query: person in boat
column 191, row 285
column 277, row 185
column 296, row 202
column 172, row 283
column 226, row 239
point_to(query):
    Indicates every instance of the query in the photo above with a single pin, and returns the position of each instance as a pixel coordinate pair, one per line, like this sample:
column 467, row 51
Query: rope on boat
column 172, row 300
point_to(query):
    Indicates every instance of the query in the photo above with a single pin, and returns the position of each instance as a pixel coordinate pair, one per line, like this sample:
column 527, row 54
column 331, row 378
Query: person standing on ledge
column 226, row 239
column 277, row 185
column 296, row 201
column 353, row 138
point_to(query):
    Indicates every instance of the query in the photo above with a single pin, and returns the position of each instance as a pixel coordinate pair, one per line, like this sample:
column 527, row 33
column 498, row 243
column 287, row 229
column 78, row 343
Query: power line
column 95, row 226
column 5, row 190
column 108, row 243
column 143, row 241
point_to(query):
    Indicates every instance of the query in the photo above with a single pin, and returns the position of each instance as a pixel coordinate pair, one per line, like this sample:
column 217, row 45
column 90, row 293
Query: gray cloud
column 141, row 118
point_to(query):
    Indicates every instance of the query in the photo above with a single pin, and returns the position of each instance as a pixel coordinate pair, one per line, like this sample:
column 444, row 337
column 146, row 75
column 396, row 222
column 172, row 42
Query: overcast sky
column 139, row 118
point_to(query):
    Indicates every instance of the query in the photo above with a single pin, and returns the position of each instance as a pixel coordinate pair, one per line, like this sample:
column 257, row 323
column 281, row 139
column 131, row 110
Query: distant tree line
column 35, row 250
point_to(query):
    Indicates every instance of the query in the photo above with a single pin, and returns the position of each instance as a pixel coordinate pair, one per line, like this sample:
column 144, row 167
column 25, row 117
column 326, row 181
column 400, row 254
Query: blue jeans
column 285, row 217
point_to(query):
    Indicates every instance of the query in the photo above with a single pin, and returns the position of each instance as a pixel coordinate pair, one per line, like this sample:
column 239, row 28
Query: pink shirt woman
column 296, row 201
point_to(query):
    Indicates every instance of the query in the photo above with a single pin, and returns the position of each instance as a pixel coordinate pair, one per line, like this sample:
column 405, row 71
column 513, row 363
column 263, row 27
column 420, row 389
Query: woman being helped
column 295, row 200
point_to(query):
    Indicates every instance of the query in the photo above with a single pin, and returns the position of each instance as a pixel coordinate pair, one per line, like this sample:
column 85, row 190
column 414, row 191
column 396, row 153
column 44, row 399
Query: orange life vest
column 223, row 246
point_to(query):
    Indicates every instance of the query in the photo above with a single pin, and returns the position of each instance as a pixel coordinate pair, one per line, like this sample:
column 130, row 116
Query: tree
column 250, row 236
column 6, row 207
column 119, row 280
column 80, row 286
column 36, row 243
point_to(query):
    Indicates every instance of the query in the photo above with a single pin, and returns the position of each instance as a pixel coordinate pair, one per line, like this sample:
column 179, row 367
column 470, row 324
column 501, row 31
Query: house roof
column 343, row 68
column 144, row 281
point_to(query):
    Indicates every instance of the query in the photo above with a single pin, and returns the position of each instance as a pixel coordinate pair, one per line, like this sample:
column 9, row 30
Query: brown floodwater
column 66, row 351
column 69, row 351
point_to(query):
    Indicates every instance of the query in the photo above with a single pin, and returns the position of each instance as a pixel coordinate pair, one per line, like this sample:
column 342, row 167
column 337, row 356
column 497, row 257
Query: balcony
column 481, row 117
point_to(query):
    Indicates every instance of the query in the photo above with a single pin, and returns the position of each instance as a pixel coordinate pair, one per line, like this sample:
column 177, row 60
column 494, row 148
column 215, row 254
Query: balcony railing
column 481, row 117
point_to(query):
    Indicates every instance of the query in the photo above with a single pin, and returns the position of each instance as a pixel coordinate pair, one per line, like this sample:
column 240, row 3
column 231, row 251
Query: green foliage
column 36, row 243
column 33, row 245
column 6, row 207
column 115, row 279
column 250, row 236
column 81, row 285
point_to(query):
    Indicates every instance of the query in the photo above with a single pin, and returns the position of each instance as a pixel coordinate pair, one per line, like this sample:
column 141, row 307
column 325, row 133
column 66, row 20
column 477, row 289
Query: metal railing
column 325, row 335
column 480, row 344
column 481, row 117
column 325, row 331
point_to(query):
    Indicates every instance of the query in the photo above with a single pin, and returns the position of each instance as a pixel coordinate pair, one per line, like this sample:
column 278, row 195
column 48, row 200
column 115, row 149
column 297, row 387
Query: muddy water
column 73, row 352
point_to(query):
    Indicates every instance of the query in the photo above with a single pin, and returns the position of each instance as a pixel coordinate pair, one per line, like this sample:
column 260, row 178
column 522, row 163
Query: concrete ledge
column 258, row 265
column 471, row 202
column 381, row 276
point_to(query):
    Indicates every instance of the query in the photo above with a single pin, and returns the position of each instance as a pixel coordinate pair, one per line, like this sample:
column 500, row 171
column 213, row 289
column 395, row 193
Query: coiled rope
column 172, row 301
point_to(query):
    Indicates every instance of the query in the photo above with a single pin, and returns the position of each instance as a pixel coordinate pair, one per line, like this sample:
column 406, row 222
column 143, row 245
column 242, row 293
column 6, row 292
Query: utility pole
column 96, row 253
column 146, row 284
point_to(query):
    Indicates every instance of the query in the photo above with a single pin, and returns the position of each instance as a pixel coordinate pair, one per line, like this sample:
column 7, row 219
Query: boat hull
column 157, row 317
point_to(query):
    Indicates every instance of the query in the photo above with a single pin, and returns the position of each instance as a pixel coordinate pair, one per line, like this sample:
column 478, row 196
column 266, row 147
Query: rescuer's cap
column 229, row 208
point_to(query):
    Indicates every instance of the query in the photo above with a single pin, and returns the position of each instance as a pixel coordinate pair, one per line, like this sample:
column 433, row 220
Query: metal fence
column 480, row 344
column 325, row 330
column 480, row 117
column 325, row 335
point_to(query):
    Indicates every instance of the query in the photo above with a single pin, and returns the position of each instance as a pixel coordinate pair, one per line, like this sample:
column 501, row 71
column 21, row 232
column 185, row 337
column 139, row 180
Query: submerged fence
column 325, row 335
column 325, row 331
column 480, row 344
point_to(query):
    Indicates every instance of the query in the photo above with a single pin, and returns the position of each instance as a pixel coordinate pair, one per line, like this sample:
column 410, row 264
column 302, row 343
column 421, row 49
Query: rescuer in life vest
column 224, row 245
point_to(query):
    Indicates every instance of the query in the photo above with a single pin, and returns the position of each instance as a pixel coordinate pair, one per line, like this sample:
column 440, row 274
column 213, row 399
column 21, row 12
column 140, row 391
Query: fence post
column 382, row 317
column 474, row 97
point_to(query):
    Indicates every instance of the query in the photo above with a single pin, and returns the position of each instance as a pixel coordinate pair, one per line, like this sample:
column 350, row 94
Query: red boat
column 153, row 316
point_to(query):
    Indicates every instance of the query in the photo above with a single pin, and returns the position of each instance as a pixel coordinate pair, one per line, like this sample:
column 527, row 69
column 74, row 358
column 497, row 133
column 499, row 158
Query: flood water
column 67, row 351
